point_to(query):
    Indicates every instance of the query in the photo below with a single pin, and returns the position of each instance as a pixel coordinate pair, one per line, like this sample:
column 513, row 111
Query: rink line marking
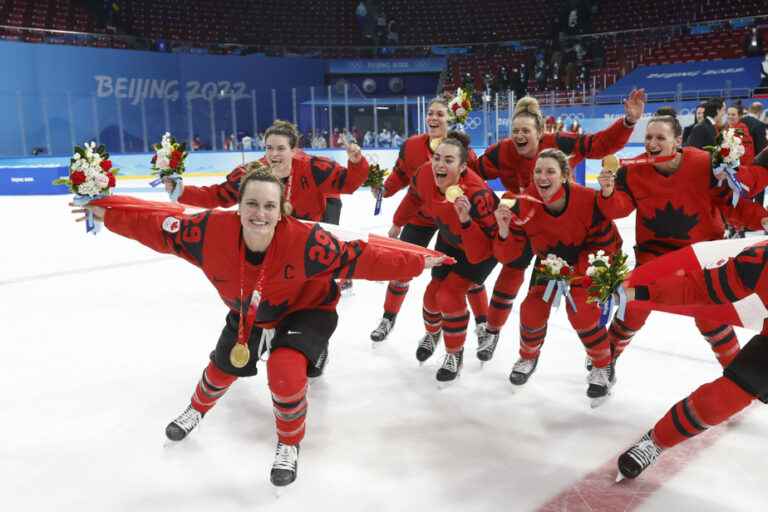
column 77, row 271
column 597, row 490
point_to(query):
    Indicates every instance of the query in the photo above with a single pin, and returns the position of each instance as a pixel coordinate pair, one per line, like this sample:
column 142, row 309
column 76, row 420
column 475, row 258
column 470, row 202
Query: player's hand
column 98, row 212
column 462, row 208
column 394, row 231
column 503, row 217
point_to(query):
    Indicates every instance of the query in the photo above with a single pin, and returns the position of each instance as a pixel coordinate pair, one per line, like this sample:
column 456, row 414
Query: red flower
column 564, row 271
column 106, row 165
column 77, row 178
column 174, row 163
column 112, row 181
column 455, row 107
column 176, row 155
column 587, row 281
column 725, row 152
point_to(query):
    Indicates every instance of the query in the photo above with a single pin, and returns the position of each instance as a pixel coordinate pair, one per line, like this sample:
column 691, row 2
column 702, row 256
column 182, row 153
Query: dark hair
column 285, row 129
column 562, row 160
column 528, row 106
column 257, row 171
column 459, row 140
column 666, row 111
column 711, row 107
column 669, row 120
column 739, row 108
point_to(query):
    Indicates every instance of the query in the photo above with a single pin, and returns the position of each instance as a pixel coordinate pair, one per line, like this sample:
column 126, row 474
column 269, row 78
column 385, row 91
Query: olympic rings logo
column 472, row 122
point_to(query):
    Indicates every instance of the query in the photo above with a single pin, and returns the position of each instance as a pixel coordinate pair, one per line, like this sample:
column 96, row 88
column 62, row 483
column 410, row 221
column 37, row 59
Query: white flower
column 460, row 112
column 76, row 157
column 591, row 271
column 162, row 162
column 102, row 181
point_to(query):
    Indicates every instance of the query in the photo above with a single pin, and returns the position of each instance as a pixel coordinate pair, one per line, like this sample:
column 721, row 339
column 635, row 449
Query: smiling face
column 259, row 210
column 437, row 120
column 279, row 154
column 548, row 177
column 733, row 116
column 447, row 166
column 526, row 136
column 660, row 139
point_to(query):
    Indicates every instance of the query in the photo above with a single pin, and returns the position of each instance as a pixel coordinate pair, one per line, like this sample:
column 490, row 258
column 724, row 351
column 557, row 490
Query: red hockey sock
column 595, row 341
column 433, row 320
column 504, row 292
column 287, row 376
column 621, row 332
column 478, row 302
column 531, row 340
column 451, row 299
column 212, row 386
column 396, row 292
column 724, row 343
column 709, row 405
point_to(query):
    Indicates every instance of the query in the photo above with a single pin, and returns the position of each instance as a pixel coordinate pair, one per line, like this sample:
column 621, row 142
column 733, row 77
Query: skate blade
column 277, row 492
column 594, row 403
column 619, row 477
column 447, row 384
column 376, row 344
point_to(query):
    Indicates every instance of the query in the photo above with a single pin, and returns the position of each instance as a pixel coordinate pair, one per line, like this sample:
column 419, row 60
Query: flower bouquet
column 168, row 162
column 375, row 180
column 460, row 106
column 557, row 274
column 726, row 155
column 603, row 283
column 91, row 176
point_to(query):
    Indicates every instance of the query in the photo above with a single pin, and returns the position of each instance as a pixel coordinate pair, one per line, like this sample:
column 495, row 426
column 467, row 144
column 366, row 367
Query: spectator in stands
column 361, row 13
column 705, row 132
column 698, row 117
column 397, row 140
column 368, row 139
column 381, row 27
column 393, row 38
column 385, row 138
column 197, row 144
column 247, row 143
column 764, row 73
column 550, row 125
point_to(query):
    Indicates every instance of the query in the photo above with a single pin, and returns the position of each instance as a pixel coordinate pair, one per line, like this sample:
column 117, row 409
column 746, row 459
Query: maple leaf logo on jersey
column 570, row 253
column 671, row 222
column 269, row 312
column 321, row 169
column 447, row 234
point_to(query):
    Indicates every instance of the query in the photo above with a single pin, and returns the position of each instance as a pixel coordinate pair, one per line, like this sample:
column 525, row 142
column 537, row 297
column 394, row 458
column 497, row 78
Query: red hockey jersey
column 299, row 265
column 574, row 233
column 676, row 210
column 516, row 172
column 734, row 280
column 414, row 153
column 311, row 178
column 474, row 237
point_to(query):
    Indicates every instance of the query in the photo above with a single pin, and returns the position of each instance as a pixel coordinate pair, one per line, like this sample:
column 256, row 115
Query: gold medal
column 452, row 193
column 508, row 202
column 433, row 143
column 611, row 163
column 239, row 355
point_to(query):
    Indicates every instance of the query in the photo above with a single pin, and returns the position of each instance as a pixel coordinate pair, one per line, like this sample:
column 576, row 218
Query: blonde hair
column 256, row 171
column 528, row 106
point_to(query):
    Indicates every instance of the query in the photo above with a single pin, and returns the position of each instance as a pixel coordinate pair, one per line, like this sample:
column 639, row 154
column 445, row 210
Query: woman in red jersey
column 465, row 230
column 566, row 224
column 275, row 273
column 416, row 151
column 735, row 113
column 307, row 178
column 744, row 379
column 512, row 160
column 678, row 203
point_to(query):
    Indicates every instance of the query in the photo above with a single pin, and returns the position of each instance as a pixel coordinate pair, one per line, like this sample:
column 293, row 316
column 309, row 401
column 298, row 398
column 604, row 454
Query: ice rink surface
column 103, row 342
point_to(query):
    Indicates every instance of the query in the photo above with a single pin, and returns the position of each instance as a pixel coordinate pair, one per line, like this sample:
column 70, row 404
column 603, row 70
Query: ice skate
column 522, row 371
column 183, row 424
column 285, row 466
column 641, row 455
column 427, row 346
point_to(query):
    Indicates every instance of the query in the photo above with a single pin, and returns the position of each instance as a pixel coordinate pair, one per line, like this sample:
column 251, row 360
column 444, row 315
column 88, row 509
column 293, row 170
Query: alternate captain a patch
column 171, row 225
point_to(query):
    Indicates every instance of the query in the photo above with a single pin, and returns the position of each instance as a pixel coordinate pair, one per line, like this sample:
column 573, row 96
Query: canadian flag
column 749, row 312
